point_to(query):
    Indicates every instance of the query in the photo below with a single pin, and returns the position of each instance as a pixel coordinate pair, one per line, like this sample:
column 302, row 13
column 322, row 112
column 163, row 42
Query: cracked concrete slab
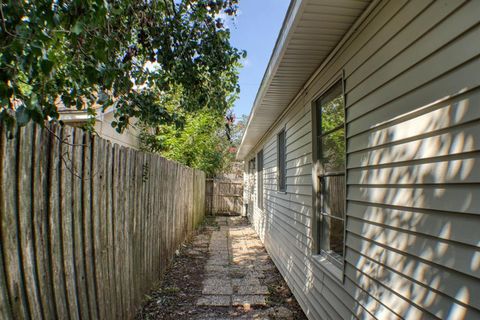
column 214, row 300
column 252, row 290
column 248, row 300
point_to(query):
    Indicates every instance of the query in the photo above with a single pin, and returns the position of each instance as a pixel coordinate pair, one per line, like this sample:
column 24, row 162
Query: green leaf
column 22, row 115
column 77, row 28
column 33, row 101
column 91, row 73
column 4, row 92
column 56, row 19
column 79, row 103
column 102, row 98
column 46, row 66
column 116, row 11
column 35, row 49
column 101, row 52
column 67, row 100
column 45, row 34
column 195, row 64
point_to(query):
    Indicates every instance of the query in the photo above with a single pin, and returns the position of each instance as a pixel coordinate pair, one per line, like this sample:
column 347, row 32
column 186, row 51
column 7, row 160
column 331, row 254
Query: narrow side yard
column 223, row 272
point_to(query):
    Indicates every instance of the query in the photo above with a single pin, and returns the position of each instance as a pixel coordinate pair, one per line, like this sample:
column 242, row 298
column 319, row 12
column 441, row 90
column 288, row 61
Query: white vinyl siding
column 413, row 170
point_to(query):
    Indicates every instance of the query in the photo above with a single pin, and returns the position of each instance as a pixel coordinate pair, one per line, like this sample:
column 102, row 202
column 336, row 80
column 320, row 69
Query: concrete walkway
column 236, row 264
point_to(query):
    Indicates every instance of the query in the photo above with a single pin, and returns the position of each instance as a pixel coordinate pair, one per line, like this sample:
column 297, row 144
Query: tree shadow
column 412, row 231
column 412, row 245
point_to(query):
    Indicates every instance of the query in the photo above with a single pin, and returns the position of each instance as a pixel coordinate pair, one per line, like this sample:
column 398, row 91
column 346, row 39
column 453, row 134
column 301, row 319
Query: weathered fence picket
column 87, row 227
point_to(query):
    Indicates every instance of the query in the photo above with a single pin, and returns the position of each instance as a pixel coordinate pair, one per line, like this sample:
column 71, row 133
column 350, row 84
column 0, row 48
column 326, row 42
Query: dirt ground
column 176, row 296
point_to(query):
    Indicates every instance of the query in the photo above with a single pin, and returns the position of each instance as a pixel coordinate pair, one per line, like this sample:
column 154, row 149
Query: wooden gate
column 224, row 196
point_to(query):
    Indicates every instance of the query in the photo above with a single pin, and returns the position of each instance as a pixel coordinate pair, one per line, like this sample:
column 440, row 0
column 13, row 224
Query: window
column 281, row 156
column 260, row 179
column 251, row 180
column 330, row 112
column 251, row 165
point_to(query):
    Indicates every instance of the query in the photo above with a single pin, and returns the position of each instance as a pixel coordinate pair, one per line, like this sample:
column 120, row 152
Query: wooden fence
column 224, row 196
column 87, row 227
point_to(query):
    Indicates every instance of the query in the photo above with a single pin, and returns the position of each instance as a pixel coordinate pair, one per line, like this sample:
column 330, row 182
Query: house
column 103, row 125
column 362, row 162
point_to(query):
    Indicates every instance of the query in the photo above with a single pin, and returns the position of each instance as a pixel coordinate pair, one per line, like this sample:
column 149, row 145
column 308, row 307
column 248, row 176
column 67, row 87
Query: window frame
column 335, row 266
column 251, row 165
column 251, row 174
column 282, row 172
column 260, row 186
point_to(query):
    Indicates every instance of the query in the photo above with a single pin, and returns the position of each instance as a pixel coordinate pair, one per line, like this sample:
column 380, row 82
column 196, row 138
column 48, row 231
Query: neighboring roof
column 74, row 115
column 312, row 29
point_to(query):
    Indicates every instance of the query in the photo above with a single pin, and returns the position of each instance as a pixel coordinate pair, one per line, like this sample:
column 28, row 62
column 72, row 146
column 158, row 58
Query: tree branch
column 4, row 26
column 64, row 140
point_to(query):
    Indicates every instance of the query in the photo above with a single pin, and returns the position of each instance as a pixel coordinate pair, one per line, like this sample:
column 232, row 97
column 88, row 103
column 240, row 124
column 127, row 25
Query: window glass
column 333, row 151
column 331, row 155
column 333, row 200
column 332, row 114
column 281, row 155
column 260, row 179
column 332, row 237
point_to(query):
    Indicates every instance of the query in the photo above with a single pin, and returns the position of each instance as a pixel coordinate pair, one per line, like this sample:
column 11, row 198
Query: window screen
column 281, row 156
column 260, row 179
column 331, row 155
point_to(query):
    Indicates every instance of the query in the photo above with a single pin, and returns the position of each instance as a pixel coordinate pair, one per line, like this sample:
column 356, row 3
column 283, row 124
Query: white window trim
column 328, row 266
column 319, row 257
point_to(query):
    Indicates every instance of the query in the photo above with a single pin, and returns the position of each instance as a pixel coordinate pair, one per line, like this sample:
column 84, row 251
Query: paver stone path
column 237, row 262
column 223, row 273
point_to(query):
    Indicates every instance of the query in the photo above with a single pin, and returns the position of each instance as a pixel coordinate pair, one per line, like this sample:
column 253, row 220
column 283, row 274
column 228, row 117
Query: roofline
column 344, row 39
column 277, row 52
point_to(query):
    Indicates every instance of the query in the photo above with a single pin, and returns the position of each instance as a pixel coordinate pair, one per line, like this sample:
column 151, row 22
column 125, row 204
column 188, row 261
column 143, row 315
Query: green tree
column 202, row 143
column 208, row 141
column 238, row 129
column 333, row 142
column 86, row 52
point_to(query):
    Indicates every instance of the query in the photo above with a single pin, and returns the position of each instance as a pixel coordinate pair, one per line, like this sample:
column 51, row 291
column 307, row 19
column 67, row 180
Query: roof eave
column 292, row 19
column 279, row 48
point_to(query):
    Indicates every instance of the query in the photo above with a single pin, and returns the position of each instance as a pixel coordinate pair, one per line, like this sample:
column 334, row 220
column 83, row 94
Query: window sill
column 335, row 271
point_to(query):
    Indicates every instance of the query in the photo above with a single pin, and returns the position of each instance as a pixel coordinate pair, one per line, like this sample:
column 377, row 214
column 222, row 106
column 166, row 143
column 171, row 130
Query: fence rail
column 87, row 227
column 224, row 196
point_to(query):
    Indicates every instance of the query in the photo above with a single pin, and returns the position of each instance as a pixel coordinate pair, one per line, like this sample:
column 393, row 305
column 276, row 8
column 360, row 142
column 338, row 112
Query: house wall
column 103, row 127
column 129, row 137
column 411, row 74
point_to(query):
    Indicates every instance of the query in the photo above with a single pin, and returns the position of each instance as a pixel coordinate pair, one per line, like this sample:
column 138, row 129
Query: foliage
column 238, row 129
column 333, row 139
column 203, row 143
column 200, row 144
column 133, row 55
column 234, row 131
